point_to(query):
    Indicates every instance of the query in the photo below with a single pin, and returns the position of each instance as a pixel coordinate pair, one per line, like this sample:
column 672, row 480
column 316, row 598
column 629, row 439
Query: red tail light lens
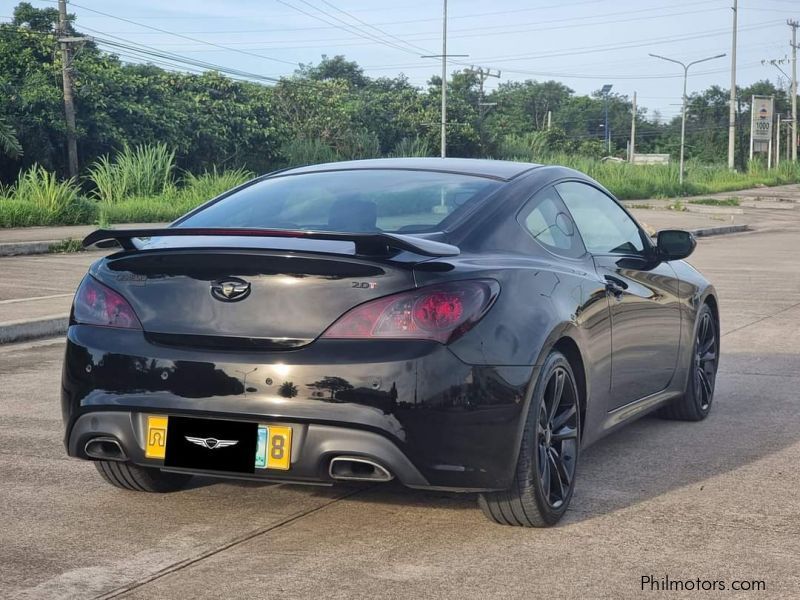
column 96, row 304
column 441, row 313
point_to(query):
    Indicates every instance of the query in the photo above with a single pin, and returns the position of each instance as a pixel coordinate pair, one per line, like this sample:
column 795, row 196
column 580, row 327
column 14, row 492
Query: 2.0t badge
column 232, row 289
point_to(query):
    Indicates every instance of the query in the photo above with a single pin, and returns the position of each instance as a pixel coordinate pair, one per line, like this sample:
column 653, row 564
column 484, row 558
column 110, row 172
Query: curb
column 705, row 232
column 20, row 248
column 28, row 329
column 38, row 247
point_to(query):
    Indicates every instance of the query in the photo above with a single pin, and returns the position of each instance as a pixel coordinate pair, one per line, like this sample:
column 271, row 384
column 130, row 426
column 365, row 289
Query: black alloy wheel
column 557, row 438
column 695, row 404
column 545, row 475
column 705, row 360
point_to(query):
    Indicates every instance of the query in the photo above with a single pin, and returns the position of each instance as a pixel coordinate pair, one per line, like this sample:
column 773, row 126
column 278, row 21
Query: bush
column 16, row 213
column 525, row 147
column 143, row 171
column 303, row 151
column 359, row 144
column 42, row 188
column 201, row 188
column 21, row 213
column 144, row 210
column 411, row 147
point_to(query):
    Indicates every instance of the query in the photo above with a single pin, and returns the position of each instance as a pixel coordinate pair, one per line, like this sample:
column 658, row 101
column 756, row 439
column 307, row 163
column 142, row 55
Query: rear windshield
column 349, row 201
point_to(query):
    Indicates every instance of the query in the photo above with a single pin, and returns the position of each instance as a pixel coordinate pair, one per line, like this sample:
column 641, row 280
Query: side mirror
column 674, row 244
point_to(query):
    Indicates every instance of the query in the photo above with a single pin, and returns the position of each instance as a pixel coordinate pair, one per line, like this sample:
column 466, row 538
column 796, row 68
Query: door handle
column 615, row 285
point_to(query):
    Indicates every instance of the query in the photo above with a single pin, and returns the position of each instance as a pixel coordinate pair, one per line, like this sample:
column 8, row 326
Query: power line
column 627, row 45
column 503, row 27
column 180, row 35
column 346, row 26
column 124, row 44
column 484, row 31
column 378, row 29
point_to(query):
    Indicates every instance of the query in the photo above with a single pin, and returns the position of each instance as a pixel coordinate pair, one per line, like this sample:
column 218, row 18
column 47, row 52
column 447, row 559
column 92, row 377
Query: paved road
column 716, row 500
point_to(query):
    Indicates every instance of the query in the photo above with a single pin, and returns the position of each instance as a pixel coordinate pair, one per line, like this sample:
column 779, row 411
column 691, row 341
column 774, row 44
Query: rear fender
column 563, row 331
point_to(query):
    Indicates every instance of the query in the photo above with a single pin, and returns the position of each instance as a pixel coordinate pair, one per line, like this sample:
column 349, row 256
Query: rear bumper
column 313, row 447
column 412, row 406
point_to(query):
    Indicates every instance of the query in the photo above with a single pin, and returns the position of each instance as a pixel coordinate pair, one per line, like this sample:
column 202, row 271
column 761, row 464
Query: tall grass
column 39, row 198
column 194, row 191
column 41, row 188
column 139, row 184
column 200, row 188
column 303, row 151
column 408, row 147
column 633, row 182
column 141, row 171
column 523, row 146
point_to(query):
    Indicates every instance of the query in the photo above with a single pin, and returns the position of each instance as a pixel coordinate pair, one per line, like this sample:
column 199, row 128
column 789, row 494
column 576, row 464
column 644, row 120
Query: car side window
column 604, row 226
column 547, row 220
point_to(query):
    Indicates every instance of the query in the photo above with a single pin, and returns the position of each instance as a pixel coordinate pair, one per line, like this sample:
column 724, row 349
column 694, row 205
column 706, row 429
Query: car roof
column 496, row 169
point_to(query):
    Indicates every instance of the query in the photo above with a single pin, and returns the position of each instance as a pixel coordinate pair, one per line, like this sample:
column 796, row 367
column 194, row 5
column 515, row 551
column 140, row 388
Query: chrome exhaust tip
column 105, row 448
column 355, row 468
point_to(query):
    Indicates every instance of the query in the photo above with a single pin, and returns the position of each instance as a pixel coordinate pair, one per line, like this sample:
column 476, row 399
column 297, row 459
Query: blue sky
column 582, row 43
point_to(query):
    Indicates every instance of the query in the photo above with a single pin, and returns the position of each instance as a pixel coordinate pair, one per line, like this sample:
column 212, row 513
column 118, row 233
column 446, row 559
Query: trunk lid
column 251, row 297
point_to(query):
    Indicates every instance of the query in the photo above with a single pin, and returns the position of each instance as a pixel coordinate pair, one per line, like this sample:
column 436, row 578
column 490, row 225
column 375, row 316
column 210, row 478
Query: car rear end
column 235, row 346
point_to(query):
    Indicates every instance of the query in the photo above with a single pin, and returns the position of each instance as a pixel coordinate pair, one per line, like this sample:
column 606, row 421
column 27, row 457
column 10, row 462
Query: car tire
column 695, row 403
column 128, row 476
column 548, row 454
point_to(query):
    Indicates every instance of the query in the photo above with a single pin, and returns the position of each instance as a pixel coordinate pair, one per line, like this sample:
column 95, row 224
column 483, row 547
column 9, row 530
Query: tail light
column 441, row 313
column 96, row 304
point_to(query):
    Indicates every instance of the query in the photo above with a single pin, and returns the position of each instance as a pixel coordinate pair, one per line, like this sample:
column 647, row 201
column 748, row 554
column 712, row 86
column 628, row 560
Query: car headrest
column 349, row 214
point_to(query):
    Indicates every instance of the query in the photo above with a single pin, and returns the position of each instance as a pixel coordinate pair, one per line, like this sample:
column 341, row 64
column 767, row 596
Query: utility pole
column 482, row 74
column 794, row 25
column 633, row 129
column 444, row 78
column 777, row 62
column 444, row 56
column 685, row 99
column 732, row 113
column 605, row 90
column 69, row 103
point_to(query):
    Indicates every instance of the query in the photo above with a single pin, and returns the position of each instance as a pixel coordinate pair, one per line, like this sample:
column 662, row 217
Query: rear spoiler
column 369, row 244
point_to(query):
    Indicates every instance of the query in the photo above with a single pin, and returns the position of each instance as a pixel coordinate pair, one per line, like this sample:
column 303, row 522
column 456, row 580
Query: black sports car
column 463, row 325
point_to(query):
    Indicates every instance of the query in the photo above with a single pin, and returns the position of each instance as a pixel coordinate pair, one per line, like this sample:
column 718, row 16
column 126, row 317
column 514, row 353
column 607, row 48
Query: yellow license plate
column 273, row 447
column 156, row 443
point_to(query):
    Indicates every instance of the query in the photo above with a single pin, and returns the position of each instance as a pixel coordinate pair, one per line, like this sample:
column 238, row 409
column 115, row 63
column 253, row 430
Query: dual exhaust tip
column 356, row 468
column 105, row 448
column 341, row 468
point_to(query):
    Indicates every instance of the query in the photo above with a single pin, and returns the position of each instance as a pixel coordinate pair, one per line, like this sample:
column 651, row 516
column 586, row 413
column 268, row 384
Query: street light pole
column 683, row 113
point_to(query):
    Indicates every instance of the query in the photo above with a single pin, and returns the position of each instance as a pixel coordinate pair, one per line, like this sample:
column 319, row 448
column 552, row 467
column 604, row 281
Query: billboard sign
column 761, row 125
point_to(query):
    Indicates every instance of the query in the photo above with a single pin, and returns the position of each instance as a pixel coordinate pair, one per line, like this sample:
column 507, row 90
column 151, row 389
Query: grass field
column 142, row 185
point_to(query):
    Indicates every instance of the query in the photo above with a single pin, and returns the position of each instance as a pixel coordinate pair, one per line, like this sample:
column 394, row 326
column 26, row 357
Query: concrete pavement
column 715, row 500
column 37, row 240
column 38, row 293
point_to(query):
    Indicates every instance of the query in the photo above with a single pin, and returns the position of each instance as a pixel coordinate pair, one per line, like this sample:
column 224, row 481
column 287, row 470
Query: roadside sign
column 761, row 123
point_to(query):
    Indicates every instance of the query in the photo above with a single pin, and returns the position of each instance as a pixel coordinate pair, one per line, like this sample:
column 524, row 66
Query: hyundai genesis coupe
column 460, row 325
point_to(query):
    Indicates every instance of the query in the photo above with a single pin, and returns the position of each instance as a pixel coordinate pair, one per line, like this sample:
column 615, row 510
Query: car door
column 642, row 293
